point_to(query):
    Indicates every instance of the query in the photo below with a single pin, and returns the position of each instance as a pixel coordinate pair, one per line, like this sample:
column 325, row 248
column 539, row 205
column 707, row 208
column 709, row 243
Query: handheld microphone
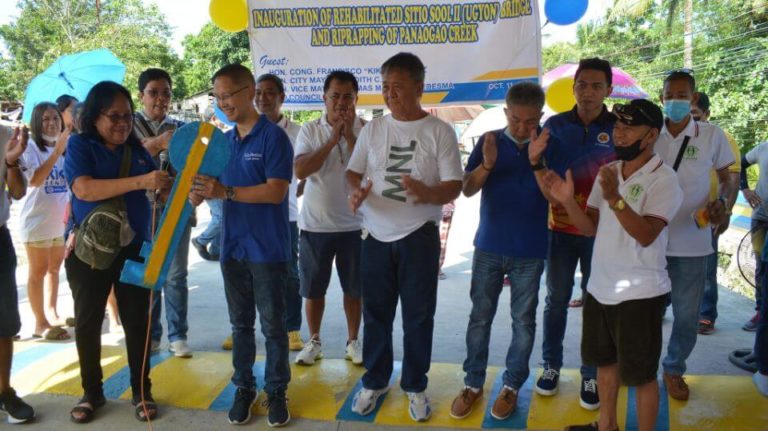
column 165, row 163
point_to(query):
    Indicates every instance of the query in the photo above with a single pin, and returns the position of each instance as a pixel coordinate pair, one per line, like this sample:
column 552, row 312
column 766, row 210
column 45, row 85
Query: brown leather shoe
column 505, row 404
column 463, row 403
column 676, row 387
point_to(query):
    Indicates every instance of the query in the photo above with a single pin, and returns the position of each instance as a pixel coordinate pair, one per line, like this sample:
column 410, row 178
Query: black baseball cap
column 639, row 112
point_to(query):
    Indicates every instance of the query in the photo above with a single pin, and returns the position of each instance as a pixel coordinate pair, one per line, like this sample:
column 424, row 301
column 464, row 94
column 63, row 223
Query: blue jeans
column 488, row 272
column 292, row 297
column 405, row 269
column 761, row 336
column 708, row 310
column 250, row 287
column 565, row 252
column 212, row 233
column 687, row 275
column 176, row 292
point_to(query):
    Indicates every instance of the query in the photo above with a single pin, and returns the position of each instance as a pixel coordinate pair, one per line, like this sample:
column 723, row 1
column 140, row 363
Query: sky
column 189, row 16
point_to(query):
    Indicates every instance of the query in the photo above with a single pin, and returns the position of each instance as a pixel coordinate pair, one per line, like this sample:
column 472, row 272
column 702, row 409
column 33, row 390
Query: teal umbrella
column 73, row 74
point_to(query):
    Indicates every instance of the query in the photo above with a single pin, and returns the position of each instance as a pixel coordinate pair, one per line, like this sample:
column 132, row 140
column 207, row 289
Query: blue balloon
column 221, row 115
column 565, row 12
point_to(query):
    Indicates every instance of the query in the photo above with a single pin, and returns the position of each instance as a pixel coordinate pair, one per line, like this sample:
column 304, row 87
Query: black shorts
column 317, row 251
column 627, row 334
column 10, row 322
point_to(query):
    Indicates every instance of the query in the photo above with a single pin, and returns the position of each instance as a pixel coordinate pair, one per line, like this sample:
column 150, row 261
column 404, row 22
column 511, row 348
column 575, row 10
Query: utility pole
column 688, row 36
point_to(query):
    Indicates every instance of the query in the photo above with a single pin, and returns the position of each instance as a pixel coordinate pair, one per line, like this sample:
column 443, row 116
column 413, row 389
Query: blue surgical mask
column 676, row 110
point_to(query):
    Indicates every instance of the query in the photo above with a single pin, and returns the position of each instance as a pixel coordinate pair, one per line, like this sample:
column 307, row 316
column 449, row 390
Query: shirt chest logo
column 252, row 157
column 399, row 163
column 634, row 193
column 691, row 153
column 603, row 138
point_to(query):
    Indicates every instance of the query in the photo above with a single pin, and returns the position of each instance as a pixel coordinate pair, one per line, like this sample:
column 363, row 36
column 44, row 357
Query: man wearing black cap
column 628, row 211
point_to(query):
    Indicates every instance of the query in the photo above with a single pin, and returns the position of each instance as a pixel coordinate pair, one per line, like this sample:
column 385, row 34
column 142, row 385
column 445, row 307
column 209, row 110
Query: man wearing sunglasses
column 627, row 212
column 693, row 149
column 155, row 128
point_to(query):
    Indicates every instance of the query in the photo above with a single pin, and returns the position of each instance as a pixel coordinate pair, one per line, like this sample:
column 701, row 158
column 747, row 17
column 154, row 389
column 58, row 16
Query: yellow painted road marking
column 190, row 382
column 445, row 381
column 720, row 403
column 558, row 411
column 60, row 373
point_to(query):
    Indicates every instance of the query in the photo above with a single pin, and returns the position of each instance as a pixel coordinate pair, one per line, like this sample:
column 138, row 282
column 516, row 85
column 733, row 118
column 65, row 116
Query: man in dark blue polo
column 255, row 246
column 511, row 240
column 582, row 139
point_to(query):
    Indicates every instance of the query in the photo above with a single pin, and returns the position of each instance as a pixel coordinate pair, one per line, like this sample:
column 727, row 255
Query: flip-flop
column 744, row 359
column 53, row 334
column 576, row 303
column 68, row 322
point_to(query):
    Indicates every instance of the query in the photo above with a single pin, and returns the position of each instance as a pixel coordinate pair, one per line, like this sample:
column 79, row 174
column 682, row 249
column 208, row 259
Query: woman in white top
column 43, row 216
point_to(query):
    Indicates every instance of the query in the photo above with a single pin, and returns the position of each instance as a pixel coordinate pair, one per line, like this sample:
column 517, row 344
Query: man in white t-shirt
column 329, row 229
column 693, row 150
column 270, row 95
column 411, row 166
column 628, row 211
column 12, row 185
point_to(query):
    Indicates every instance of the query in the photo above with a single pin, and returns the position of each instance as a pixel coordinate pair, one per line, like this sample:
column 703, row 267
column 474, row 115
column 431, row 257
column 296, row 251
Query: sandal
column 86, row 407
column 140, row 406
column 576, row 303
column 53, row 333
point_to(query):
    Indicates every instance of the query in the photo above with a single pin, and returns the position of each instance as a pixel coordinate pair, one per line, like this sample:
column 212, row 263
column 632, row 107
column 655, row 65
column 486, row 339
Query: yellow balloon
column 229, row 15
column 560, row 95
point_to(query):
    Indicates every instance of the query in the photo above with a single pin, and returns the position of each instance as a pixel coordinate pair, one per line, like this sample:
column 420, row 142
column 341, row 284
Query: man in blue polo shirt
column 581, row 139
column 511, row 240
column 255, row 246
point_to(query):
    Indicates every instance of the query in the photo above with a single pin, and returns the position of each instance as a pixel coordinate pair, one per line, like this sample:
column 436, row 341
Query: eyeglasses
column 626, row 113
column 154, row 93
column 116, row 118
column 226, row 96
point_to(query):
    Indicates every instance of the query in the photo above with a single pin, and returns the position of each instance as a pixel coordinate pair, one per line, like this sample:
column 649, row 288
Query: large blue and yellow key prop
column 197, row 148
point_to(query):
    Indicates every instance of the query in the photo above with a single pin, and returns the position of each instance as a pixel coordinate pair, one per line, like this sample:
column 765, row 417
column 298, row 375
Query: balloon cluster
column 229, row 15
column 563, row 12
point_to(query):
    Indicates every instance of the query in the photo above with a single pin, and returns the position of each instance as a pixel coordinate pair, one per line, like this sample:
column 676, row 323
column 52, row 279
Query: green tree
column 47, row 29
column 209, row 50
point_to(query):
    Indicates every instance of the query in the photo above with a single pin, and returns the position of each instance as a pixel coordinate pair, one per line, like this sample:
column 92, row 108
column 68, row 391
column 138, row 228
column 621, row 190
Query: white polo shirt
column 759, row 156
column 292, row 130
column 707, row 149
column 325, row 207
column 622, row 269
column 387, row 149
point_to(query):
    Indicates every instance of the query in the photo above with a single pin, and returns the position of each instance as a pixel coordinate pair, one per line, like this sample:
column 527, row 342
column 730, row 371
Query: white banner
column 473, row 50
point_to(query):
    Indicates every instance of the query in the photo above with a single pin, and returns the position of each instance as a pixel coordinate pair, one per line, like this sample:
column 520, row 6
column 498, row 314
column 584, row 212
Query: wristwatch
column 230, row 193
column 539, row 166
column 619, row 205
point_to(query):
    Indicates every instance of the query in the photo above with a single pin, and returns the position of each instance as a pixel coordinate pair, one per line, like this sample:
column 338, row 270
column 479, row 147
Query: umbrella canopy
column 73, row 74
column 624, row 86
column 490, row 119
column 456, row 114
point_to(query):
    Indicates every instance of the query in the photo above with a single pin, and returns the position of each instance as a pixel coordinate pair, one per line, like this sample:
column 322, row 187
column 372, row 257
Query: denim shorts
column 10, row 322
column 317, row 251
column 627, row 334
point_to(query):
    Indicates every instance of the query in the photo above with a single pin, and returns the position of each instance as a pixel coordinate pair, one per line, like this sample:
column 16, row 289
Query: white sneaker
column 761, row 382
column 154, row 346
column 418, row 406
column 355, row 352
column 365, row 400
column 311, row 352
column 180, row 349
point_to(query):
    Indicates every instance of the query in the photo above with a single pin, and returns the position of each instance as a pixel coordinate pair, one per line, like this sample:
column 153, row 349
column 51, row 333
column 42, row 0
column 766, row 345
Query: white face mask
column 49, row 138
